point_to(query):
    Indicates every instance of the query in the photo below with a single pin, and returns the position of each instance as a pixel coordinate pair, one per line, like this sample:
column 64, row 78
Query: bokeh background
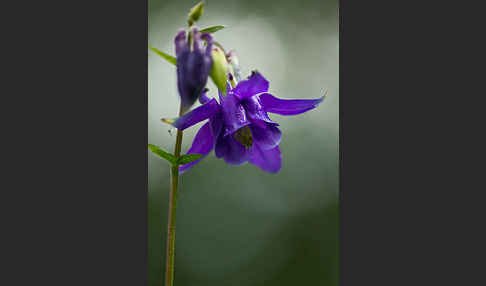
column 237, row 225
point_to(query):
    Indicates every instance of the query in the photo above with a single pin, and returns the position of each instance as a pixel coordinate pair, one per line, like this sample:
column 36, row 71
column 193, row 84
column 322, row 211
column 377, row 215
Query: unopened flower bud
column 193, row 66
column 195, row 13
column 219, row 70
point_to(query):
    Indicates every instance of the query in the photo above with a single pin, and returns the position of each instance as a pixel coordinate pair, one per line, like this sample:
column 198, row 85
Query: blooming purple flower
column 193, row 66
column 239, row 128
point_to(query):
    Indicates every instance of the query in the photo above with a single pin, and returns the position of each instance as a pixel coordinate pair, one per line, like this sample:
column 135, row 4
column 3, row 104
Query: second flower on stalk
column 193, row 65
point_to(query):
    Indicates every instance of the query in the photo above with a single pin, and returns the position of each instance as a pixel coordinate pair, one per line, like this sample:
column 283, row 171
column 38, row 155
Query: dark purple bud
column 193, row 66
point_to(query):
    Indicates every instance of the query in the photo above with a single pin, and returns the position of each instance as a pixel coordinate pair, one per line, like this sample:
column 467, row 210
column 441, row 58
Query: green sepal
column 212, row 29
column 219, row 70
column 188, row 158
column 195, row 13
column 161, row 153
column 165, row 56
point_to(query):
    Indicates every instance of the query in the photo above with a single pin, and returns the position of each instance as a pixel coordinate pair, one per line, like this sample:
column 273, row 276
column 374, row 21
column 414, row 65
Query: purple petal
column 196, row 40
column 216, row 122
column 255, row 84
column 256, row 112
column 228, row 91
column 288, row 106
column 267, row 160
column 234, row 114
column 232, row 151
column 203, row 144
column 209, row 43
column 267, row 138
column 180, row 41
column 196, row 115
column 203, row 98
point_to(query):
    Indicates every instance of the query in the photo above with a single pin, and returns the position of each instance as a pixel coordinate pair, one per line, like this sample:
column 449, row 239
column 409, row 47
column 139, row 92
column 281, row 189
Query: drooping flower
column 193, row 65
column 239, row 128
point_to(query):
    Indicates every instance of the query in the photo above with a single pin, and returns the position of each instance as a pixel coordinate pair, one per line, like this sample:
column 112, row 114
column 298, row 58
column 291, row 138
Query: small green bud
column 219, row 70
column 195, row 13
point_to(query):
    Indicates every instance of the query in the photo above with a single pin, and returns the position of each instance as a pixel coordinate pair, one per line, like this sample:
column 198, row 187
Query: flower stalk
column 171, row 225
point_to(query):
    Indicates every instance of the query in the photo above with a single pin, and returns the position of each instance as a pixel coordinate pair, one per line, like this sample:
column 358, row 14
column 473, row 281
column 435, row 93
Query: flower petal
column 209, row 43
column 216, row 122
column 288, row 106
column 197, row 45
column 228, row 90
column 256, row 112
column 267, row 137
column 203, row 98
column 232, row 151
column 180, row 42
column 255, row 84
column 234, row 114
column 203, row 144
column 267, row 160
column 197, row 115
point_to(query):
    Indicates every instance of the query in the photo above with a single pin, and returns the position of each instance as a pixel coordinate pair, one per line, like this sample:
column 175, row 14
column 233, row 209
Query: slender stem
column 174, row 180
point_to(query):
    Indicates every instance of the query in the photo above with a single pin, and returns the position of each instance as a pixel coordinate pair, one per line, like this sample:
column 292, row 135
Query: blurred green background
column 237, row 225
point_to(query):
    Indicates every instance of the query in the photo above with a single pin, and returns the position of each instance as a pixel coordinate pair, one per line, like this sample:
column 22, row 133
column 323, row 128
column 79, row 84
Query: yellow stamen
column 244, row 136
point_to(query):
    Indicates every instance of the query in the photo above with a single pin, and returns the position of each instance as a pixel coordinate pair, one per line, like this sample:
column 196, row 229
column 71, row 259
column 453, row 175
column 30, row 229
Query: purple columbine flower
column 239, row 128
column 193, row 66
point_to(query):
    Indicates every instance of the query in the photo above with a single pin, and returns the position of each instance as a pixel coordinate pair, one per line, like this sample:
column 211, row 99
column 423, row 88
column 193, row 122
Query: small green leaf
column 161, row 153
column 212, row 29
column 219, row 70
column 188, row 158
column 195, row 13
column 166, row 57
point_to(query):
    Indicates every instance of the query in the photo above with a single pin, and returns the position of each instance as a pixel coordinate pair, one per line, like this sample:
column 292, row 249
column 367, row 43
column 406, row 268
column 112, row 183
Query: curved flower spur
column 239, row 128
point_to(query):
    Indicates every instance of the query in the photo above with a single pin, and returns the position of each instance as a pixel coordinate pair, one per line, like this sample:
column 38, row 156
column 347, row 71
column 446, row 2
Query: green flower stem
column 174, row 180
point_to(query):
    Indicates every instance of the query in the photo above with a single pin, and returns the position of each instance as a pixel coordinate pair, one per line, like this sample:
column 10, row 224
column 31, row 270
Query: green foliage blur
column 237, row 225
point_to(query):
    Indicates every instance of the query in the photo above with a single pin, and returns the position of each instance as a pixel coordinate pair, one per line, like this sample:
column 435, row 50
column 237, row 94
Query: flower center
column 243, row 135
